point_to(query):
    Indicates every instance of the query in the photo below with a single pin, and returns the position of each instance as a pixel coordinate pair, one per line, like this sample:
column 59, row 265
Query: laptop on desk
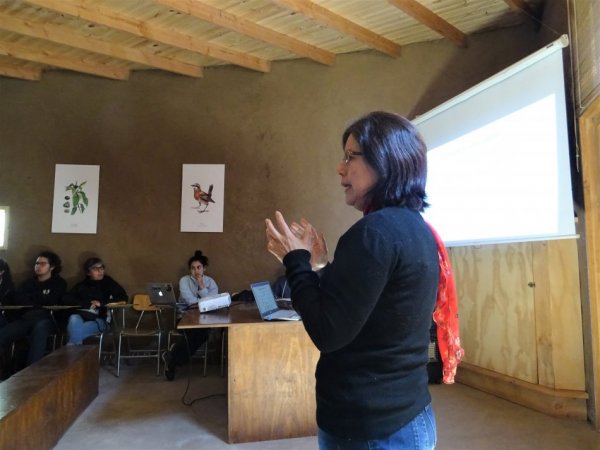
column 267, row 305
column 161, row 294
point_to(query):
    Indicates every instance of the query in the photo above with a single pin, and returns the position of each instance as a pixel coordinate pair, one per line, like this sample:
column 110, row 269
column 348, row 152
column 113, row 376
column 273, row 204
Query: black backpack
column 434, row 366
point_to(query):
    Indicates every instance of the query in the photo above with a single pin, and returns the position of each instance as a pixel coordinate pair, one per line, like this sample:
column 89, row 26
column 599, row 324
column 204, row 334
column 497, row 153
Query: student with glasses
column 370, row 310
column 45, row 288
column 93, row 293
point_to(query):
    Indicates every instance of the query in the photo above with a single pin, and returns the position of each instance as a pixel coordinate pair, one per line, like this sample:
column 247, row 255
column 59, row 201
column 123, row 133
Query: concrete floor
column 142, row 411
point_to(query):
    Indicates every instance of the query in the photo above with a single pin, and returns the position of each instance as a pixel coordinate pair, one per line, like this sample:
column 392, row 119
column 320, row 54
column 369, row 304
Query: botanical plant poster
column 75, row 207
column 202, row 197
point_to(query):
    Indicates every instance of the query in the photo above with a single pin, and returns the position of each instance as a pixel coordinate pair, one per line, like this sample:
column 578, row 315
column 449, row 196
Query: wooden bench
column 39, row 403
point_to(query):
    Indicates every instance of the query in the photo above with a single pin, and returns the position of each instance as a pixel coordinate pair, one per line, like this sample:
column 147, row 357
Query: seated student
column 46, row 288
column 7, row 288
column 93, row 294
column 192, row 288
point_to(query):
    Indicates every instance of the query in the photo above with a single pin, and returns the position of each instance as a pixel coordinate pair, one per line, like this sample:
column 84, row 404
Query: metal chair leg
column 100, row 347
column 205, row 345
column 119, row 356
column 158, row 357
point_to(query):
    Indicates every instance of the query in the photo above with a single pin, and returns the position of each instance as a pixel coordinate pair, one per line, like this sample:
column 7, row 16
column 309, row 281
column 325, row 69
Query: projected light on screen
column 511, row 160
column 2, row 228
column 498, row 164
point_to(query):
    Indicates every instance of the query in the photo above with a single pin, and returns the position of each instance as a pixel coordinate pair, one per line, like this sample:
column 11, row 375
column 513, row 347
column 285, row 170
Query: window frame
column 4, row 229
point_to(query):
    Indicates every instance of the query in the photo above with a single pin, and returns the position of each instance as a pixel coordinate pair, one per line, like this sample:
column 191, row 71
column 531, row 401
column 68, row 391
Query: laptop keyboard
column 285, row 314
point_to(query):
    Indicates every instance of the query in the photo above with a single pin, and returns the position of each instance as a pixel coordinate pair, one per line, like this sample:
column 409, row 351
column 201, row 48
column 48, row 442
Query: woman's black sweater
column 369, row 314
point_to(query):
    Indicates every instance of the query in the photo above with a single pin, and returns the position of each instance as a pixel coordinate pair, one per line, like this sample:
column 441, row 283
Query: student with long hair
column 192, row 288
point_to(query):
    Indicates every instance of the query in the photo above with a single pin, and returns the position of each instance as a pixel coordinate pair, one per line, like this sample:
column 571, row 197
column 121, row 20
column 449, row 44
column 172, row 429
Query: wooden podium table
column 271, row 373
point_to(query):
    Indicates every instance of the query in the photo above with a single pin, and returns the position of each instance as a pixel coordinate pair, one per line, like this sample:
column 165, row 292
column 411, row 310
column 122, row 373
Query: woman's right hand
column 318, row 253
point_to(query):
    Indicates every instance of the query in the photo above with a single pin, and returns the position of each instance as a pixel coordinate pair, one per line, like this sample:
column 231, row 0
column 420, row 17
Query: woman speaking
column 370, row 311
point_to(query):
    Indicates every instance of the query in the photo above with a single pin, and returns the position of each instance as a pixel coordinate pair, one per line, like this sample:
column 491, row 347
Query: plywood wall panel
column 558, row 315
column 496, row 307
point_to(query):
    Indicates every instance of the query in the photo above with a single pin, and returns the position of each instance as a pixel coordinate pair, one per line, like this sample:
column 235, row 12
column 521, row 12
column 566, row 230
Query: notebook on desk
column 161, row 293
column 88, row 314
column 267, row 305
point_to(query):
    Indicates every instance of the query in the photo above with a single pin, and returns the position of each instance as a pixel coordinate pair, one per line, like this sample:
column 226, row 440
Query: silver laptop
column 161, row 293
column 267, row 305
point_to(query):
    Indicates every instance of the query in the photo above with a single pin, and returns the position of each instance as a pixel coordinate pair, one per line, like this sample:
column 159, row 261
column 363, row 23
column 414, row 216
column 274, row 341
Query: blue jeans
column 418, row 434
column 79, row 329
column 38, row 339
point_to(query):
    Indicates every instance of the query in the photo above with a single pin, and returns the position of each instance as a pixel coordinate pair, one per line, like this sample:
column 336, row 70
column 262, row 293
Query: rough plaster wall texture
column 278, row 135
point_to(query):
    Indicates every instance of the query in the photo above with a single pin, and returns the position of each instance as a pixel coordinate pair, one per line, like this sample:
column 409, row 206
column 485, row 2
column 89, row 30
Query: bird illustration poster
column 75, row 207
column 202, row 197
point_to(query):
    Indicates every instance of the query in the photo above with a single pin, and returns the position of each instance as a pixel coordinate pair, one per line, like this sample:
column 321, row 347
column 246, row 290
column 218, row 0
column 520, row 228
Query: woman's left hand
column 281, row 239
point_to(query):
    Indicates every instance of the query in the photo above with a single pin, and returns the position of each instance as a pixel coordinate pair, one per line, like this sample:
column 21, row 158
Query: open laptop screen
column 265, row 299
column 161, row 293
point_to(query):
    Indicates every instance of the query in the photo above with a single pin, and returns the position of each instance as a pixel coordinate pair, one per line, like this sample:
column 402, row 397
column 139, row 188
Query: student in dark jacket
column 46, row 288
column 7, row 288
column 370, row 312
column 92, row 294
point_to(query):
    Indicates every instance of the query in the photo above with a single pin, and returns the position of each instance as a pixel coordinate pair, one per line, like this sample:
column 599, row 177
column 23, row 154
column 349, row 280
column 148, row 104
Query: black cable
column 187, row 387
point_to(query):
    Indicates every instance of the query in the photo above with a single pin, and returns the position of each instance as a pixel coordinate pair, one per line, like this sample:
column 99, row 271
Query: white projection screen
column 498, row 159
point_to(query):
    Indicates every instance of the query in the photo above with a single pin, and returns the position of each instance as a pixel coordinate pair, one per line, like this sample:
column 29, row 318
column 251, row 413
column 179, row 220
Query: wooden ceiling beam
column 61, row 35
column 521, row 6
column 48, row 57
column 341, row 24
column 222, row 18
column 103, row 15
column 23, row 73
column 428, row 18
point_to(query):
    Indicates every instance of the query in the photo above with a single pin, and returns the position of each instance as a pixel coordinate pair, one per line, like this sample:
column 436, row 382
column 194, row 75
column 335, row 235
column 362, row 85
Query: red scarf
column 445, row 315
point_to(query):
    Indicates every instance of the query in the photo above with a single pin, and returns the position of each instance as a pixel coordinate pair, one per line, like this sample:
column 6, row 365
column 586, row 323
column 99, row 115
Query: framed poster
column 75, row 207
column 202, row 197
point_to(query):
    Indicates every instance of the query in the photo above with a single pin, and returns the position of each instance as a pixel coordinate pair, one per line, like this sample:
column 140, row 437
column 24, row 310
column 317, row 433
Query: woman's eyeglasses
column 97, row 268
column 349, row 156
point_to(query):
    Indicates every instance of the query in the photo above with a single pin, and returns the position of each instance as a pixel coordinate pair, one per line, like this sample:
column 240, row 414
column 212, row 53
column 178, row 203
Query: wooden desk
column 60, row 307
column 270, row 370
